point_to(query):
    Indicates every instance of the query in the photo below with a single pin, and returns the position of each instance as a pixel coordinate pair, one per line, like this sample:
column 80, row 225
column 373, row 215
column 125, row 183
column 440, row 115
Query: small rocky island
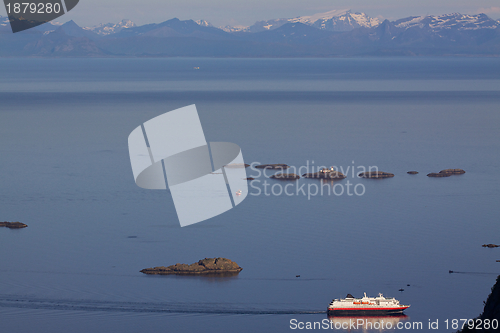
column 329, row 175
column 207, row 266
column 446, row 173
column 376, row 174
column 490, row 245
column 412, row 172
column 438, row 175
column 237, row 165
column 272, row 166
column 285, row 176
column 324, row 173
column 13, row 225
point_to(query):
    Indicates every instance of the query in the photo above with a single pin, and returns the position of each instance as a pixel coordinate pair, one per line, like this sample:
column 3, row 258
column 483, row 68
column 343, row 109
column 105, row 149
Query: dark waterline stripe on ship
column 367, row 309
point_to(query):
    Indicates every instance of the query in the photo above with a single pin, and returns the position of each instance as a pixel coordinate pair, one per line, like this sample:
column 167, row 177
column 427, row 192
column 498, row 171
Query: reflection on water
column 210, row 277
column 368, row 323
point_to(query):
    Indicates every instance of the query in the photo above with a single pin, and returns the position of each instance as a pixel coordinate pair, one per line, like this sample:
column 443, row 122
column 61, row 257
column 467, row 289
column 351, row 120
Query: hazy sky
column 246, row 12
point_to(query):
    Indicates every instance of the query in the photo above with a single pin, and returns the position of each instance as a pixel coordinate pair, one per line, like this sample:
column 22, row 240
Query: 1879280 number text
column 33, row 8
column 478, row 324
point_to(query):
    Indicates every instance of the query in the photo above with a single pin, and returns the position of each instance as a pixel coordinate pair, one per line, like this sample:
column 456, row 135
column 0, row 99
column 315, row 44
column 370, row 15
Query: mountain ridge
column 334, row 20
column 331, row 34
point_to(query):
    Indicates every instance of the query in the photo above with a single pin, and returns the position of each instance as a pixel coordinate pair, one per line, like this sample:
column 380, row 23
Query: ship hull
column 366, row 311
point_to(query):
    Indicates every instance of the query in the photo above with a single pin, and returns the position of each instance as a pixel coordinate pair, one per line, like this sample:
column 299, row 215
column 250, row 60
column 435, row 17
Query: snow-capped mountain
column 235, row 28
column 110, row 28
column 260, row 26
column 204, row 23
column 334, row 20
column 227, row 28
column 4, row 21
column 346, row 21
column 453, row 21
column 45, row 28
column 310, row 20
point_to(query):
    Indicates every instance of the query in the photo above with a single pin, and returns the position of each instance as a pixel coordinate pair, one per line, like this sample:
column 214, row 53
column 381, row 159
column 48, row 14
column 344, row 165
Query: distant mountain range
column 330, row 34
column 335, row 20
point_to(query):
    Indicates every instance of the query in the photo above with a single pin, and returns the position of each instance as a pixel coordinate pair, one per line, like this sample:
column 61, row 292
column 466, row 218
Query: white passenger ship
column 365, row 306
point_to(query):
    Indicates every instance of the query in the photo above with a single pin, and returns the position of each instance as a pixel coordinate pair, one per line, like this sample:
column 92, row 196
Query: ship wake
column 24, row 302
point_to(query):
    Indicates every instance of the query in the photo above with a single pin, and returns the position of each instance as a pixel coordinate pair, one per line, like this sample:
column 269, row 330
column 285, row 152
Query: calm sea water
column 65, row 171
